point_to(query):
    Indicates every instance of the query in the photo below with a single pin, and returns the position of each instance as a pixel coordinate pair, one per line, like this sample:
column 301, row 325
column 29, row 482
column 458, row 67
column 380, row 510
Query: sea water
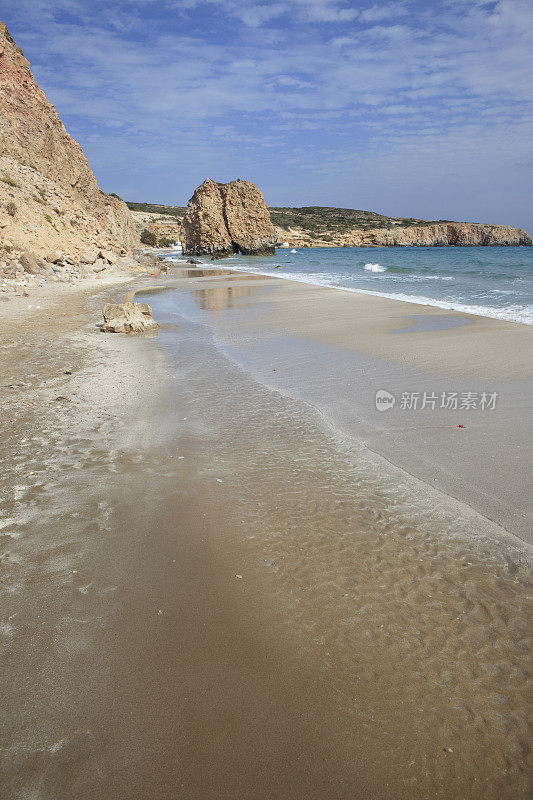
column 489, row 281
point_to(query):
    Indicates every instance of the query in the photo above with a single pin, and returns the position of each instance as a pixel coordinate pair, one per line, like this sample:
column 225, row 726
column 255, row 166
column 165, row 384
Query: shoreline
column 421, row 300
column 471, row 524
column 387, row 341
column 326, row 246
column 90, row 289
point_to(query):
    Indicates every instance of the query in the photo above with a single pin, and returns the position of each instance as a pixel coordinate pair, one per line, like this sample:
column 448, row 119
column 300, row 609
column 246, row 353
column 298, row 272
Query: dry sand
column 211, row 588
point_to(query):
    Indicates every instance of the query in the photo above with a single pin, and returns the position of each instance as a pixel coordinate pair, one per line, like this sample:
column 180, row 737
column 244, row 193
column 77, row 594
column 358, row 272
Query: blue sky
column 404, row 107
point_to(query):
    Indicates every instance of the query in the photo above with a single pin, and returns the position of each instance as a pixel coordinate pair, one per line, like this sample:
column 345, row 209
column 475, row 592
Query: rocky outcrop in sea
column 226, row 218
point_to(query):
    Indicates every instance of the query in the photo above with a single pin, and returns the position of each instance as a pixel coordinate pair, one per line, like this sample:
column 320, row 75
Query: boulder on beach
column 55, row 257
column 127, row 318
column 32, row 264
column 88, row 256
column 227, row 218
column 106, row 255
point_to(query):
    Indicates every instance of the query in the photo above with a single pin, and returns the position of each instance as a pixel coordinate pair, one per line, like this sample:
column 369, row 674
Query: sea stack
column 227, row 218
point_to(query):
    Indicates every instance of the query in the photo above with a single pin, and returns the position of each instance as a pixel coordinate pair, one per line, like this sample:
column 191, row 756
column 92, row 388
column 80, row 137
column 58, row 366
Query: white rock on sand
column 127, row 318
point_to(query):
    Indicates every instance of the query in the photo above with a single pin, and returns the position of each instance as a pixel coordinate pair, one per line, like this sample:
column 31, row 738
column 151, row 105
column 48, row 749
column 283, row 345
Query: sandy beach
column 335, row 349
column 227, row 574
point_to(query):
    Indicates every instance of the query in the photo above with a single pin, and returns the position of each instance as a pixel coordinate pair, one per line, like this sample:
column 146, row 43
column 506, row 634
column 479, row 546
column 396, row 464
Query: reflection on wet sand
column 220, row 298
column 194, row 272
column 226, row 274
column 214, row 272
column 198, row 272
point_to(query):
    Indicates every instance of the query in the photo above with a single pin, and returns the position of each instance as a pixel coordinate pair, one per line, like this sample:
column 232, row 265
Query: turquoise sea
column 490, row 281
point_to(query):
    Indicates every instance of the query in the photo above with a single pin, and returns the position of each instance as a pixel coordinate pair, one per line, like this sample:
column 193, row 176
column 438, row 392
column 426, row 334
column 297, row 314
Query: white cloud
column 394, row 88
column 255, row 13
column 383, row 11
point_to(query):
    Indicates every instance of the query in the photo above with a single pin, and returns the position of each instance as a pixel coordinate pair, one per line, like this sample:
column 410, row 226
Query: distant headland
column 322, row 226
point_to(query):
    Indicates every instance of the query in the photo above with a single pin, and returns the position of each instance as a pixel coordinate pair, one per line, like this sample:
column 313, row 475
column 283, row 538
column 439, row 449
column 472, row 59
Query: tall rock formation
column 226, row 218
column 248, row 219
column 49, row 197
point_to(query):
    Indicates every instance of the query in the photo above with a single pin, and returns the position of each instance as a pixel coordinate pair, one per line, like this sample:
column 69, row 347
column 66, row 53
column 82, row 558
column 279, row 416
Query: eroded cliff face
column 457, row 234
column 49, row 197
column 226, row 218
column 449, row 234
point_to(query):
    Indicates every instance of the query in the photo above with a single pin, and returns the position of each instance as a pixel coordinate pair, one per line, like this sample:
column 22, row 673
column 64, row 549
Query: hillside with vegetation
column 328, row 220
column 310, row 218
column 325, row 226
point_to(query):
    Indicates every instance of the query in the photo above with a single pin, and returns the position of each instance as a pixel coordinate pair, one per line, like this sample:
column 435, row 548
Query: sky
column 412, row 108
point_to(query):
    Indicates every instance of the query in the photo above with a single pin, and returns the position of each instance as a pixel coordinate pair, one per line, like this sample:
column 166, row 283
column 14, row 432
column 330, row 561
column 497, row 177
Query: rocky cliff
column 49, row 197
column 456, row 234
column 449, row 234
column 226, row 218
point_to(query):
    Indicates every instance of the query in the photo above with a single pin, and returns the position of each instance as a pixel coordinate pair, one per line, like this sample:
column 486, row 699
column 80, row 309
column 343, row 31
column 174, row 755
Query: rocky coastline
column 456, row 234
column 22, row 271
column 438, row 234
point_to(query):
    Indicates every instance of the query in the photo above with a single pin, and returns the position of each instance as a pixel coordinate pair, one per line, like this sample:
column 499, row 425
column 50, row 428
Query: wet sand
column 335, row 349
column 211, row 589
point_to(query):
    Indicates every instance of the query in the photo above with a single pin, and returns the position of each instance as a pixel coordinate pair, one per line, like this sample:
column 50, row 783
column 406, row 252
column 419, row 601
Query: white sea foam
column 513, row 313
column 410, row 278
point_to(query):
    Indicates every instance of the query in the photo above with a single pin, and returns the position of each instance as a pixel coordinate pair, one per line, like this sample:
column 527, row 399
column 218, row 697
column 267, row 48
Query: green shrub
column 164, row 241
column 49, row 219
column 151, row 208
column 148, row 237
column 11, row 209
column 9, row 181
